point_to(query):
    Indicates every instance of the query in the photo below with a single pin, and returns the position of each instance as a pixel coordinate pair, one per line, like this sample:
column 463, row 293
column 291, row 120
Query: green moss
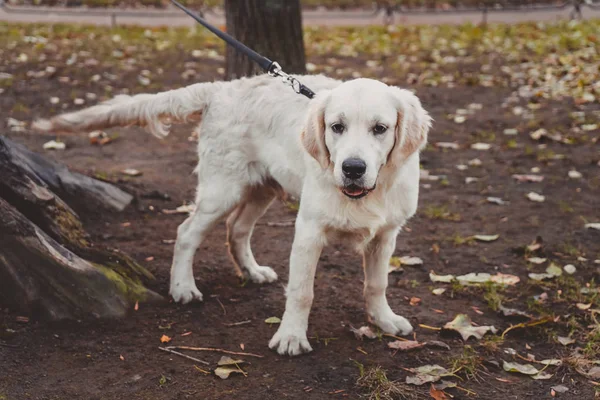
column 70, row 227
column 132, row 290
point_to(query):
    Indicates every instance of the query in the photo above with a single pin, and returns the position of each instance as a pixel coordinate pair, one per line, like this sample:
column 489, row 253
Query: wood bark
column 272, row 28
column 48, row 265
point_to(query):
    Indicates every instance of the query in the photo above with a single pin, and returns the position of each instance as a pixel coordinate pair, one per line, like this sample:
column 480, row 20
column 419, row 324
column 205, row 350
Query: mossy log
column 48, row 266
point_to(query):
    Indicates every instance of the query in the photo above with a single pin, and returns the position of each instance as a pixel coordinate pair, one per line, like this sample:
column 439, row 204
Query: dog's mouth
column 356, row 192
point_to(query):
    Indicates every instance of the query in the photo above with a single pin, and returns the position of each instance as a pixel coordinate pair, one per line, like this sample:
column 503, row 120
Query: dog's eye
column 379, row 129
column 338, row 128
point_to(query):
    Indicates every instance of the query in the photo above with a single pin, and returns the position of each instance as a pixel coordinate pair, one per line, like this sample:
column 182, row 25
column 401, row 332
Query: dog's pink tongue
column 354, row 192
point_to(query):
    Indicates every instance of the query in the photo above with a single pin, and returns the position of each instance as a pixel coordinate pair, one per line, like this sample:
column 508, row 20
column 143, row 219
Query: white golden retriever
column 351, row 155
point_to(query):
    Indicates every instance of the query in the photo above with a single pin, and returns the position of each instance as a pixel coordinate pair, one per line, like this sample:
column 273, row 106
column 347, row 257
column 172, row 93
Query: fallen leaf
column 526, row 369
column 447, row 145
column 225, row 371
column 481, row 146
column 511, row 312
column 443, row 385
column 438, row 291
column 410, row 261
column 483, row 277
column 131, row 172
column 575, row 174
column 505, row 279
column 165, row 339
column 541, row 376
column 565, row 341
column 560, row 388
column 136, row 306
column 427, row 374
column 225, row 360
column 594, row 225
column 552, row 271
column 273, row 320
column 405, row 345
column 363, row 331
column 414, row 301
column 510, row 132
column 496, row 200
column 122, row 358
column 553, row 361
column 583, row 307
column 437, row 394
column 538, row 198
column 528, row 178
column 441, row 278
column 54, row 145
column 570, row 269
column 594, row 373
column 437, row 343
column 535, row 245
column 464, row 326
column 537, row 260
column 474, row 277
column 185, row 209
column 486, row 238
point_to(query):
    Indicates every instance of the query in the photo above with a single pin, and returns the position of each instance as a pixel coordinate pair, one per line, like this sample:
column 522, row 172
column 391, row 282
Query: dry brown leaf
column 165, row 339
column 405, row 345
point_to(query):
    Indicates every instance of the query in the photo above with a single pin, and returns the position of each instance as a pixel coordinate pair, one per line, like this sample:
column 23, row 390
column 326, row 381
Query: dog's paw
column 290, row 342
column 184, row 293
column 260, row 274
column 393, row 324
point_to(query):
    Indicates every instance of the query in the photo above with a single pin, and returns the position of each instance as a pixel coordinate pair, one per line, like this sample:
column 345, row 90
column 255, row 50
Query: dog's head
column 361, row 126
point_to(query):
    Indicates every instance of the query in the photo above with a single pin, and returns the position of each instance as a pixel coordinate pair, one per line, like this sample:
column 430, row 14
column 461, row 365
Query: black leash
column 271, row 67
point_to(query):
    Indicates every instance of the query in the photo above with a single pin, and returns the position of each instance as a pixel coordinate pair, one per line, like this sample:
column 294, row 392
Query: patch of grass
column 468, row 364
column 492, row 343
column 459, row 240
column 376, row 385
column 570, row 250
column 492, row 295
column 565, row 207
column 441, row 213
column 512, row 144
column 545, row 155
column 292, row 205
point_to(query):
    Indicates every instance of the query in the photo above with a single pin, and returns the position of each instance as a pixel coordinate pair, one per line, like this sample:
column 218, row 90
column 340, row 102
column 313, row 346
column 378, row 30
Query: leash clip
column 276, row 71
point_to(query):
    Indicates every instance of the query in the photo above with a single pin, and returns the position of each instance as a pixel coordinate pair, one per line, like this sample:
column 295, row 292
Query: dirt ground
column 120, row 359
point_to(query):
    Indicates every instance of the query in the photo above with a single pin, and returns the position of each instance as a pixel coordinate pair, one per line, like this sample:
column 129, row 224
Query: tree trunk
column 272, row 28
column 48, row 266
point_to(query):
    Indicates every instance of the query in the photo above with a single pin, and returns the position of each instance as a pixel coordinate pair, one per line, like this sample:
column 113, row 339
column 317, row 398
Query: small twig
column 433, row 328
column 396, row 337
column 222, row 306
column 169, row 350
column 14, row 346
column 237, row 353
column 238, row 323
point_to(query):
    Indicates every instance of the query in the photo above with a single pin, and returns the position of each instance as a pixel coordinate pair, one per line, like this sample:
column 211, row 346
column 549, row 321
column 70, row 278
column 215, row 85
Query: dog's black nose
column 354, row 168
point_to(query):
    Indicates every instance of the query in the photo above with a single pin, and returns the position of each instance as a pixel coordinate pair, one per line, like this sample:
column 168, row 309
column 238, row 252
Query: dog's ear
column 313, row 136
column 412, row 126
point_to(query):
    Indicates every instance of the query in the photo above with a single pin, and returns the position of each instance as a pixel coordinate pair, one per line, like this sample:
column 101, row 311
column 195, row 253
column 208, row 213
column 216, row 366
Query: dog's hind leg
column 214, row 201
column 240, row 225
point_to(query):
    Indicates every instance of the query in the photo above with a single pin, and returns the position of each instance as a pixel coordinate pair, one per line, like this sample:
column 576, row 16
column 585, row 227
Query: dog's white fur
column 256, row 138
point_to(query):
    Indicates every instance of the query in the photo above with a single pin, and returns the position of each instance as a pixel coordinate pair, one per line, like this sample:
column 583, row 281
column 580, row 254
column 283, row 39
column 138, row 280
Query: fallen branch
column 169, row 350
column 239, row 323
column 237, row 353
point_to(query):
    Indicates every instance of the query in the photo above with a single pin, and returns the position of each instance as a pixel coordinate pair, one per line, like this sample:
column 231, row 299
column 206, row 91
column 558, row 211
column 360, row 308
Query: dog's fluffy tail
column 155, row 112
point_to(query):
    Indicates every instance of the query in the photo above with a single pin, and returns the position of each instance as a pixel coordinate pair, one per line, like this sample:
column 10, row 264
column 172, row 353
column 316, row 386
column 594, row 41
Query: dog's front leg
column 290, row 338
column 376, row 262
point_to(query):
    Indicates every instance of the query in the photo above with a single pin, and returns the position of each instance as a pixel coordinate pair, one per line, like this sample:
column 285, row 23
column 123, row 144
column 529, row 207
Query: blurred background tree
column 270, row 27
